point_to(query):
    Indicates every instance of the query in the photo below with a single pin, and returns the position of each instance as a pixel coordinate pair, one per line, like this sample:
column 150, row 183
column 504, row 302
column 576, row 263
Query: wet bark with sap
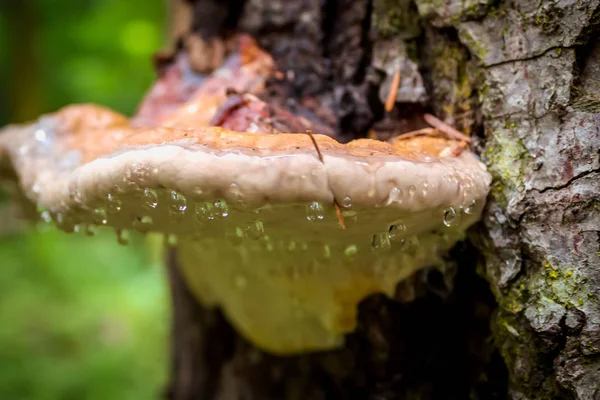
column 515, row 313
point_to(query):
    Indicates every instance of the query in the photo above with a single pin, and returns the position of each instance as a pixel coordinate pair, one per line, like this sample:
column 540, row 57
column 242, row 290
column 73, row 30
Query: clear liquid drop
column 220, row 209
column 291, row 246
column 178, row 205
column 122, row 237
column 203, row 212
column 45, row 216
column 470, row 209
column 75, row 196
column 89, row 230
column 255, row 230
column 380, row 242
column 99, row 216
column 325, row 252
column 395, row 196
column 236, row 237
column 347, row 202
column 315, row 211
column 114, row 204
column 267, row 242
column 143, row 224
column 64, row 223
column 235, row 190
column 449, row 216
column 150, row 199
column 397, row 232
column 351, row 251
column 171, row 240
column 350, row 216
column 197, row 191
column 411, row 191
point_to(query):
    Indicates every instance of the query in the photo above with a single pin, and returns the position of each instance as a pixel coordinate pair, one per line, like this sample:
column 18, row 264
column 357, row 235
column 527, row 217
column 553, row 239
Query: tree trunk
column 515, row 313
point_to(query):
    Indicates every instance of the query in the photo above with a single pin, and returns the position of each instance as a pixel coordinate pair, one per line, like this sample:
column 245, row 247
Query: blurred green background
column 80, row 317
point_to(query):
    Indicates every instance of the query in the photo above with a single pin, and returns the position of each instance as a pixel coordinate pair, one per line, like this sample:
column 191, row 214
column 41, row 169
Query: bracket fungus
column 254, row 213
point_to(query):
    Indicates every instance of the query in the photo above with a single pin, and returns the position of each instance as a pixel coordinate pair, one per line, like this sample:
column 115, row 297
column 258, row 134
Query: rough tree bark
column 515, row 314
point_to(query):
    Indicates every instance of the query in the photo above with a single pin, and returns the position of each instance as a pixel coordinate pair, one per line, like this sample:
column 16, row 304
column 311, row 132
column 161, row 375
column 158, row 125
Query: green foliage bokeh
column 80, row 317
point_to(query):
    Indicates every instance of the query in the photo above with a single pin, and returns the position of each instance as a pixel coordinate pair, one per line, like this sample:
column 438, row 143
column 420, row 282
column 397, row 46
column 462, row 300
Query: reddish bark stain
column 577, row 240
column 568, row 169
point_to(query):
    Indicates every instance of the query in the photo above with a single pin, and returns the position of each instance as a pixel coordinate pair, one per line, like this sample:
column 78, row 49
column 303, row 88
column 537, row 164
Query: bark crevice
column 569, row 182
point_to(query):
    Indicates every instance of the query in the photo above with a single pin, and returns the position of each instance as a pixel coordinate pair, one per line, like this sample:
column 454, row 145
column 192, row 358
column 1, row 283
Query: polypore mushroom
column 255, row 214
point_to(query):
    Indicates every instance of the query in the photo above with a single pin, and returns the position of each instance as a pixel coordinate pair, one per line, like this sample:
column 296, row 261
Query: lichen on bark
column 542, row 243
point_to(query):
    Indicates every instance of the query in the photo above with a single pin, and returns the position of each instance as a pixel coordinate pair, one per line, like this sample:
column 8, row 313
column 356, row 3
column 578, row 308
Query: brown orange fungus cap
column 254, row 212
